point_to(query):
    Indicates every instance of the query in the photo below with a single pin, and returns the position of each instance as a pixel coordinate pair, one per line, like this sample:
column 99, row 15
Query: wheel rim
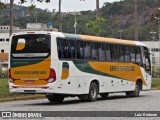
column 137, row 89
column 93, row 92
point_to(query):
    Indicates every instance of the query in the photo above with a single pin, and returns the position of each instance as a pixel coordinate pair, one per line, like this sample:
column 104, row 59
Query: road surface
column 147, row 101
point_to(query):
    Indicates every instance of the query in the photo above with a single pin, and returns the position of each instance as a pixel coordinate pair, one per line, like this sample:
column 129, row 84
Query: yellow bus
column 62, row 65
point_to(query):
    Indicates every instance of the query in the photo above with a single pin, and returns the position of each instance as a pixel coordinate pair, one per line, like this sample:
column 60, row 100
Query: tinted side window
column 95, row 51
column 70, row 49
column 101, row 51
column 79, row 46
column 133, row 54
column 121, row 53
column 138, row 54
column 114, row 51
column 108, row 52
column 87, row 50
column 127, row 56
column 61, row 48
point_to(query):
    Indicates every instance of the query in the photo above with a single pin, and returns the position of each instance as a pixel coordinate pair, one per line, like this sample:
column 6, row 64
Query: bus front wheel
column 55, row 98
column 136, row 91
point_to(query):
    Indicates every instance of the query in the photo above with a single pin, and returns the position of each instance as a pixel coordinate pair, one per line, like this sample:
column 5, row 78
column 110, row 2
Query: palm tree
column 97, row 9
column 135, row 20
column 60, row 16
column 11, row 16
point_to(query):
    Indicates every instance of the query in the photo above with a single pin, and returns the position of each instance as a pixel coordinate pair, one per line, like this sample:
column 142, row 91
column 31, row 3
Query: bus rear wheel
column 136, row 91
column 55, row 98
column 93, row 92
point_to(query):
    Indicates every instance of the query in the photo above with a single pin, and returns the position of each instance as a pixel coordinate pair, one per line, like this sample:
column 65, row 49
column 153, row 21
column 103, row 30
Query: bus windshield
column 30, row 45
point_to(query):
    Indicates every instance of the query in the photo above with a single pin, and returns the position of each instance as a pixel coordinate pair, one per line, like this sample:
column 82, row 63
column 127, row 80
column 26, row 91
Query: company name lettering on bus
column 122, row 68
column 30, row 72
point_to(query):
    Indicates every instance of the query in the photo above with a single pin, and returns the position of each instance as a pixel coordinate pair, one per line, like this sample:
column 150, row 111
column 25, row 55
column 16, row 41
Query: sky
column 67, row 5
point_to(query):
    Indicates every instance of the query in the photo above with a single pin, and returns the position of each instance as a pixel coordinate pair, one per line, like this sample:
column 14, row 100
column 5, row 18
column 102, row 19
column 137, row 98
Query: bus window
column 108, row 52
column 61, row 48
column 87, row 50
column 127, row 55
column 31, row 46
column 121, row 53
column 70, row 49
column 138, row 54
column 101, row 50
column 133, row 54
column 114, row 53
column 79, row 46
column 94, row 51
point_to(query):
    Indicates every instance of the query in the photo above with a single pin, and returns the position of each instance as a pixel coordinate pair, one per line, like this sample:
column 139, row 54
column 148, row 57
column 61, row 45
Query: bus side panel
column 67, row 77
column 147, row 78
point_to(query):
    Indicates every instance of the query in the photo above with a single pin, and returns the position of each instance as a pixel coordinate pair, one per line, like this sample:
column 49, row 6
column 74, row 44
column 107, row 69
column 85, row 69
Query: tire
column 93, row 92
column 136, row 92
column 104, row 95
column 55, row 98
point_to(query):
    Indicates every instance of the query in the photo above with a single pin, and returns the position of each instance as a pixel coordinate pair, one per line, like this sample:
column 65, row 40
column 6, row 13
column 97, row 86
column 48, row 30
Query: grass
column 5, row 95
column 155, row 83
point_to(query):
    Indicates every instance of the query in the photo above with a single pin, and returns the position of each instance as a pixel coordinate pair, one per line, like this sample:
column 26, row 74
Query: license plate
column 30, row 91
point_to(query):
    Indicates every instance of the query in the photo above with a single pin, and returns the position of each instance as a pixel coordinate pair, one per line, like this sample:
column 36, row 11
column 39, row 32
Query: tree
column 2, row 6
column 11, row 10
column 23, row 1
column 94, row 27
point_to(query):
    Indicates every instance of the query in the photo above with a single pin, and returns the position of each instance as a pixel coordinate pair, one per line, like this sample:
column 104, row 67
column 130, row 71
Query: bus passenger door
column 147, row 66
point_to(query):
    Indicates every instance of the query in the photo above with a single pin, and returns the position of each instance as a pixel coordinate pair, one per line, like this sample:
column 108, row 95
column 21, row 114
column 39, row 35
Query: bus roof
column 103, row 39
column 86, row 37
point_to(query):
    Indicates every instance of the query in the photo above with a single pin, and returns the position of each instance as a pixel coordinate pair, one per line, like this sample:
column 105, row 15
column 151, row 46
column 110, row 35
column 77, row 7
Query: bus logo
column 29, row 82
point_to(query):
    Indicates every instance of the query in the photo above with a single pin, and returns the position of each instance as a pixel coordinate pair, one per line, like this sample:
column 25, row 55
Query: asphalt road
column 147, row 101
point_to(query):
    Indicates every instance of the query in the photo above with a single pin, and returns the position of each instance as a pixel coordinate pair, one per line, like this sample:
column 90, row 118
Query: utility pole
column 120, row 33
column 158, row 18
column 97, row 9
column 60, row 16
column 75, row 20
column 153, row 37
column 11, row 17
column 135, row 21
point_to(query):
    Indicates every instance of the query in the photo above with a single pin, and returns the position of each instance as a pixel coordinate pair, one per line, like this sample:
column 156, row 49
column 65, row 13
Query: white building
column 4, row 37
column 36, row 26
column 154, row 49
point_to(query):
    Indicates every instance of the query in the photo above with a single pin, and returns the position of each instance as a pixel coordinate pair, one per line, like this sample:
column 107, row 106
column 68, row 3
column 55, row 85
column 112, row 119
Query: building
column 154, row 48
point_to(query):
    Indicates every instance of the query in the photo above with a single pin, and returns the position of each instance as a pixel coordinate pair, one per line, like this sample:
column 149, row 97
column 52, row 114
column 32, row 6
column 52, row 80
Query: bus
column 63, row 65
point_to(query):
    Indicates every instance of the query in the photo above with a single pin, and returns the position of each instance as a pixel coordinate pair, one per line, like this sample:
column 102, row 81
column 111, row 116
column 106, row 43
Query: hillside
column 119, row 17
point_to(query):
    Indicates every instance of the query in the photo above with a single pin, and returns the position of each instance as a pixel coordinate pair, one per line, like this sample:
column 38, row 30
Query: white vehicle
column 61, row 65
